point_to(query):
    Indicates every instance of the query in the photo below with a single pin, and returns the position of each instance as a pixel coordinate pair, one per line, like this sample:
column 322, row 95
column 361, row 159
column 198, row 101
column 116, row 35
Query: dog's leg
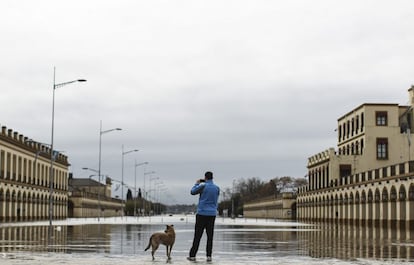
column 169, row 249
column 154, row 248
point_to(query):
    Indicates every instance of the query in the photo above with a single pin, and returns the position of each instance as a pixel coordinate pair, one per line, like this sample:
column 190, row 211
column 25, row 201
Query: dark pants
column 207, row 223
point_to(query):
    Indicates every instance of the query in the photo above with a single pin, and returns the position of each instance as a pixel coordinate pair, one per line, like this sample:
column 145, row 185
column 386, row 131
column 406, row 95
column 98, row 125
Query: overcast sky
column 241, row 88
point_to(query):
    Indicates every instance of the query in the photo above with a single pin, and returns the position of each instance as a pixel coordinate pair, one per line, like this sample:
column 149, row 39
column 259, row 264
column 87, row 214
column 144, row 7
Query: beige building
column 25, row 179
column 282, row 207
column 90, row 198
column 370, row 176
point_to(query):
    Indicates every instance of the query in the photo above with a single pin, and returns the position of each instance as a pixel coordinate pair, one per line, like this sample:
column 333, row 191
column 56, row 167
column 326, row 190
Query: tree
column 129, row 195
column 253, row 188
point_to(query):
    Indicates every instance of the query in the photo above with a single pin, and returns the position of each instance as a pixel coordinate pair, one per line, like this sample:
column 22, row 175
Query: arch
column 411, row 201
column 19, row 205
column 393, row 200
column 351, row 207
column 1, row 204
column 411, row 192
column 13, row 205
column 363, row 206
column 346, row 207
column 336, row 207
column 7, row 201
column 318, row 205
column 370, row 210
column 357, row 206
column 24, row 206
column 385, row 202
column 377, row 204
column 402, row 198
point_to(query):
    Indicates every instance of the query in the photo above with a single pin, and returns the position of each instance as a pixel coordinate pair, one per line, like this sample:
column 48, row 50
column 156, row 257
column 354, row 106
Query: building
column 281, row 207
column 25, row 183
column 90, row 198
column 369, row 178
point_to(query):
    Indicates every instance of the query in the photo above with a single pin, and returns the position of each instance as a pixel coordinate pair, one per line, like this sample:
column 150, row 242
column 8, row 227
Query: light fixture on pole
column 52, row 153
column 150, row 190
column 122, row 176
column 100, row 159
column 145, row 188
column 135, row 184
column 99, row 187
column 91, row 169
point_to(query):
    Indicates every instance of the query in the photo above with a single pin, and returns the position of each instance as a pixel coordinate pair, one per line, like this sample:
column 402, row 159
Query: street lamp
column 52, row 154
column 145, row 194
column 122, row 176
column 135, row 184
column 91, row 169
column 100, row 159
column 99, row 188
column 150, row 190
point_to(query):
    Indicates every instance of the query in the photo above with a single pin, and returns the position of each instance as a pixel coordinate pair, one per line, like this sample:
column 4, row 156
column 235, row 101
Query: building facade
column 90, row 198
column 26, row 188
column 370, row 177
column 281, row 207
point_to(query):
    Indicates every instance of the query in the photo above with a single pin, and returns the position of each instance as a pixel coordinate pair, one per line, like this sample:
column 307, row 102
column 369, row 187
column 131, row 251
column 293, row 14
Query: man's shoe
column 191, row 258
column 209, row 259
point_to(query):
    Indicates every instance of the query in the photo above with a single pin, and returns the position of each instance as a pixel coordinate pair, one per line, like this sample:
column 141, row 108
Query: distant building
column 90, row 198
column 25, row 182
column 370, row 177
column 281, row 207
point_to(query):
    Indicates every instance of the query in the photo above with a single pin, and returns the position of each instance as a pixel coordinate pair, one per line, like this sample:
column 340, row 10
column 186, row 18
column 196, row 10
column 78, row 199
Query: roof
column 368, row 104
column 83, row 182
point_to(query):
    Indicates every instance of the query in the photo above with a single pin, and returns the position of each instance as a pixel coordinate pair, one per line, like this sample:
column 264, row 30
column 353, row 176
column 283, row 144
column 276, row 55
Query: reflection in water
column 320, row 241
column 355, row 242
column 32, row 238
column 272, row 242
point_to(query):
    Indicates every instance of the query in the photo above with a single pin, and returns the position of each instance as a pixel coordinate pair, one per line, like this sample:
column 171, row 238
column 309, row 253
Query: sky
column 240, row 88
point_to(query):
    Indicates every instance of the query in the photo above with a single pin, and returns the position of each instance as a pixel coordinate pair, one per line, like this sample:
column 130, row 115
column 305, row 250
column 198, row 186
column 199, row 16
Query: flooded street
column 241, row 241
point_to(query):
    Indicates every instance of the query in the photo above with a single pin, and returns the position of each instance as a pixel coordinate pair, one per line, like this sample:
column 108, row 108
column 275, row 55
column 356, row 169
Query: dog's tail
column 149, row 244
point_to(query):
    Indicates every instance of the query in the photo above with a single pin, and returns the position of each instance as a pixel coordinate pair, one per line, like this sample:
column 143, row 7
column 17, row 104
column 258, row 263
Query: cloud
column 241, row 88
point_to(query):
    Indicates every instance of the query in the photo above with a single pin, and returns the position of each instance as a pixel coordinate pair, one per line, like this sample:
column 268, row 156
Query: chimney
column 411, row 95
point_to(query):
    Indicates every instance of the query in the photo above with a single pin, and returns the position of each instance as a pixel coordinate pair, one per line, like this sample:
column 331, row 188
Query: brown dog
column 167, row 238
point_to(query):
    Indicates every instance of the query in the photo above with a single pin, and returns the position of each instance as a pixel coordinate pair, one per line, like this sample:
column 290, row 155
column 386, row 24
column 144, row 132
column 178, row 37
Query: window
column 357, row 124
column 362, row 122
column 352, row 127
column 343, row 131
column 382, row 148
column 339, row 132
column 362, row 146
column 345, row 170
column 381, row 118
column 348, row 128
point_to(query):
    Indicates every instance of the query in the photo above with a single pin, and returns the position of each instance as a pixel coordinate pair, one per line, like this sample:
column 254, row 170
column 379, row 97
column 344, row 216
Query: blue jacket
column 208, row 201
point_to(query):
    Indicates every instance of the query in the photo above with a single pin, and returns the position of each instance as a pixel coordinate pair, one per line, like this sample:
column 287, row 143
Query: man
column 206, row 213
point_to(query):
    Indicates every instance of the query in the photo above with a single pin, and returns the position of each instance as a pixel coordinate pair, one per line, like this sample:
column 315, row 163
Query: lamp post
column 145, row 190
column 135, row 184
column 91, row 169
column 99, row 188
column 158, row 185
column 150, row 190
column 52, row 153
column 122, row 176
column 100, row 159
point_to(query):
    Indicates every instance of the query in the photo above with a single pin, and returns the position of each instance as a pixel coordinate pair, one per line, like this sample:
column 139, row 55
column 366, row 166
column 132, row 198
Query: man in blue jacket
column 206, row 213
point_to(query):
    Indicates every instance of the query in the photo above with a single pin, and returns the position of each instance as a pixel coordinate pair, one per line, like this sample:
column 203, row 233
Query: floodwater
column 235, row 242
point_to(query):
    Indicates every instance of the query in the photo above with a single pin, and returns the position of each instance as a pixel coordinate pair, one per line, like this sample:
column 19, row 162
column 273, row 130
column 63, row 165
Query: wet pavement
column 242, row 241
